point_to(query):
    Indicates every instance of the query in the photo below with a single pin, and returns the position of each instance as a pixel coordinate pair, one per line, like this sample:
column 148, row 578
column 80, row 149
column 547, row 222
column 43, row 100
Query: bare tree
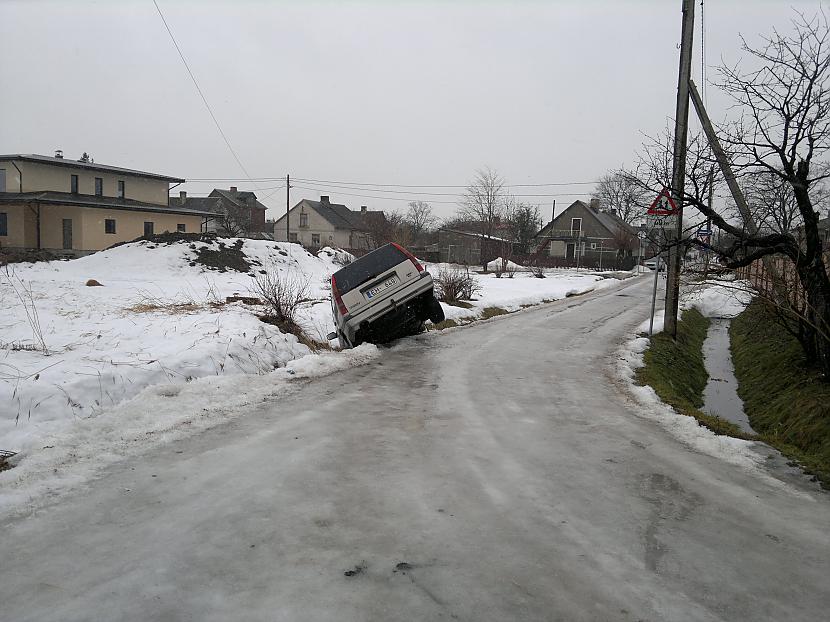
column 393, row 227
column 782, row 136
column 523, row 220
column 234, row 221
column 420, row 219
column 619, row 191
column 483, row 202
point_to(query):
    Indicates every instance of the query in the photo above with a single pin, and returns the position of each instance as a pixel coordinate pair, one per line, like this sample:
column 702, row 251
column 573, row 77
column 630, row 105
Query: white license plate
column 390, row 282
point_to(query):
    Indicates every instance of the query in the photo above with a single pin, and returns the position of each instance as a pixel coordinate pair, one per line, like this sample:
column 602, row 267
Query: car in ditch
column 384, row 295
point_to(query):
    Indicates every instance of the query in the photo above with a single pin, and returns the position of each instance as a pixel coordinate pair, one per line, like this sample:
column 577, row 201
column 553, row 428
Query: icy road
column 496, row 472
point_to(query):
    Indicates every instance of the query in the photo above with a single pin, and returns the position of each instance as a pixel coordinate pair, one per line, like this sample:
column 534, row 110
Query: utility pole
column 709, row 223
column 287, row 207
column 681, row 122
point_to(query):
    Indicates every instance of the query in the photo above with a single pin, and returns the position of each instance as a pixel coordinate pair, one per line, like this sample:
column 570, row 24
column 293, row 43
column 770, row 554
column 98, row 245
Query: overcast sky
column 419, row 93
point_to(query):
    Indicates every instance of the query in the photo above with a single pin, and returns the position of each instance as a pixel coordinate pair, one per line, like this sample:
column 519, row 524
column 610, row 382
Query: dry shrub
column 282, row 294
column 452, row 285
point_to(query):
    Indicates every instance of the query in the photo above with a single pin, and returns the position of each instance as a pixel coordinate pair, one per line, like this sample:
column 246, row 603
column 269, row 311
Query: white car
column 381, row 296
column 654, row 262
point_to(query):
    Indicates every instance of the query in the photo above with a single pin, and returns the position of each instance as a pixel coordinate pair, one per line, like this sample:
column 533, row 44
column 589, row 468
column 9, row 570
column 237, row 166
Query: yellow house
column 77, row 206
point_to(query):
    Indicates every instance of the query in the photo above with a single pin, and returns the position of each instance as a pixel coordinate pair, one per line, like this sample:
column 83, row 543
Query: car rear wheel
column 435, row 312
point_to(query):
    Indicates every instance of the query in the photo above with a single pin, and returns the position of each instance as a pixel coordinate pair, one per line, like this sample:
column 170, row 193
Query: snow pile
column 496, row 265
column 156, row 321
column 714, row 298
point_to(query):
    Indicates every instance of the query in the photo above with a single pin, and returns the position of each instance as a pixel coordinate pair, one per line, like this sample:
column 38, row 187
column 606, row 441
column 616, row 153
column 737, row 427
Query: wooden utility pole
column 681, row 123
column 287, row 207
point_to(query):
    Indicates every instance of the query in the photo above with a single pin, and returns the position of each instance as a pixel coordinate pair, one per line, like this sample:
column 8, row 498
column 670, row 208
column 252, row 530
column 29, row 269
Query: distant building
column 465, row 247
column 322, row 223
column 233, row 213
column 77, row 207
column 588, row 236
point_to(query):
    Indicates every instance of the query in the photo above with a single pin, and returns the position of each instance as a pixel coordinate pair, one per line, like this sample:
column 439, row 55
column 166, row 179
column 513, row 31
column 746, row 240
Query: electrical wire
column 354, row 183
column 202, row 95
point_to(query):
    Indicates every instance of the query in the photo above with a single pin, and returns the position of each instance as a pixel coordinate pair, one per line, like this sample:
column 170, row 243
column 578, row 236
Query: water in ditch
column 721, row 395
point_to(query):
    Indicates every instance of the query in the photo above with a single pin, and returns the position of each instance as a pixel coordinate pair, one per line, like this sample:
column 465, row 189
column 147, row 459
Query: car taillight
column 410, row 256
column 338, row 299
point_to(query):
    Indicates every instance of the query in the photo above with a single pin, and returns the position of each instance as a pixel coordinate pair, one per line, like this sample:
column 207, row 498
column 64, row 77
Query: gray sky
column 418, row 93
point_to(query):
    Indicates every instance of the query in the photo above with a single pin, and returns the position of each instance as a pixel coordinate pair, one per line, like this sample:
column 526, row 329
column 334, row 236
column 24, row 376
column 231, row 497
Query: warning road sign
column 663, row 205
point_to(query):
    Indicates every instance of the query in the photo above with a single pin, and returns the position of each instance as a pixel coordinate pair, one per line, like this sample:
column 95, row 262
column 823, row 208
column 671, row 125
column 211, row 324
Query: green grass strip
column 787, row 403
column 676, row 372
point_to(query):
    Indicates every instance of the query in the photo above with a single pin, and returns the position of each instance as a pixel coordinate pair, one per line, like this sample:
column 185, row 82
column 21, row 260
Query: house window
column 109, row 225
column 593, row 246
column 292, row 237
column 148, row 229
column 304, row 220
column 576, row 225
column 120, row 188
column 180, row 227
column 4, row 223
column 99, row 187
column 2, row 180
column 315, row 239
column 73, row 184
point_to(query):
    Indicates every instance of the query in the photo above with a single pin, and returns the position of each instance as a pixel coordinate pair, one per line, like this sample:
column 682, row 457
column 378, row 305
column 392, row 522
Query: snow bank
column 718, row 298
column 155, row 321
column 72, row 452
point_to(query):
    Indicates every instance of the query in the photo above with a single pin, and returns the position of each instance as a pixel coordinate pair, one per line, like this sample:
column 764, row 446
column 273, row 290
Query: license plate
column 390, row 282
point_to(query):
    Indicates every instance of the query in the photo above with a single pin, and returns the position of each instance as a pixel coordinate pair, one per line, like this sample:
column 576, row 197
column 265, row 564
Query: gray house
column 587, row 236
column 323, row 223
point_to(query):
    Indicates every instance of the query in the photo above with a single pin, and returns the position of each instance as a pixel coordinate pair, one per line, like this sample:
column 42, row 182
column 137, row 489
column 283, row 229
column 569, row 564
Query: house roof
column 205, row 204
column 609, row 220
column 340, row 216
column 475, row 235
column 88, row 200
column 240, row 199
column 91, row 166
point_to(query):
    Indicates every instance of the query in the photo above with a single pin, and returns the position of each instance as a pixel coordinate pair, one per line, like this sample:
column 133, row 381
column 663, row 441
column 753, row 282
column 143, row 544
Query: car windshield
column 367, row 267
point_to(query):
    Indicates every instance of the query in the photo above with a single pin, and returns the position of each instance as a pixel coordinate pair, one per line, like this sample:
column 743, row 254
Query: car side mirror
column 331, row 336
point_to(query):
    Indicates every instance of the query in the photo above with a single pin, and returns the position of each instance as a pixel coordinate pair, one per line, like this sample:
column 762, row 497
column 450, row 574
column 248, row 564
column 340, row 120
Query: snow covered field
column 88, row 373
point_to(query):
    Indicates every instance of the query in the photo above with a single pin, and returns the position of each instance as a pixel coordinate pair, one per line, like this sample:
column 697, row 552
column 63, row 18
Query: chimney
column 233, row 188
column 182, row 196
column 363, row 208
column 59, row 153
column 595, row 204
column 324, row 198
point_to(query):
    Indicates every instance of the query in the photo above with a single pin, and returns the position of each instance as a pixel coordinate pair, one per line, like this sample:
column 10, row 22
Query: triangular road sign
column 663, row 205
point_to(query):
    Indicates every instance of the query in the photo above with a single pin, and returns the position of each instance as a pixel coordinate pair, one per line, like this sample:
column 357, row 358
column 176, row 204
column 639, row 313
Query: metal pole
column 654, row 295
column 681, row 121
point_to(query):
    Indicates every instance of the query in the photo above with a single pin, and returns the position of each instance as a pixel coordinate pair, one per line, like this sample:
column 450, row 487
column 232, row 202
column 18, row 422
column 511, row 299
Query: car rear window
column 367, row 267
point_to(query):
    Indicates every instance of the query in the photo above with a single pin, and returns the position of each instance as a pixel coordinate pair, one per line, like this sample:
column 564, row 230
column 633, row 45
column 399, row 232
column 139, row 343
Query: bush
column 282, row 296
column 452, row 285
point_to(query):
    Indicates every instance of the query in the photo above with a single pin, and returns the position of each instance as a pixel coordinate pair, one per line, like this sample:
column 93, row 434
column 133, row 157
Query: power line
column 202, row 95
column 335, row 188
column 354, row 183
column 411, row 196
